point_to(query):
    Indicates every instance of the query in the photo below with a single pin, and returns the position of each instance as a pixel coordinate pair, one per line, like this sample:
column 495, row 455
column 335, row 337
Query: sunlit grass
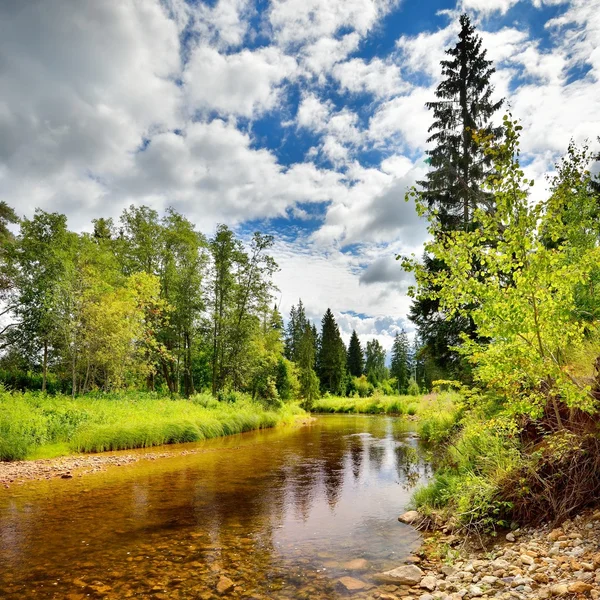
column 429, row 404
column 33, row 425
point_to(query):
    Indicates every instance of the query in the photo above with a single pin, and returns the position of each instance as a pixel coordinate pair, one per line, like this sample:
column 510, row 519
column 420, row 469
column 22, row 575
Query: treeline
column 326, row 366
column 148, row 303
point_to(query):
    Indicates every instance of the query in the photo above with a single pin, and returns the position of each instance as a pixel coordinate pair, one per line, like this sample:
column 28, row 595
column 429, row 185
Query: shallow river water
column 279, row 512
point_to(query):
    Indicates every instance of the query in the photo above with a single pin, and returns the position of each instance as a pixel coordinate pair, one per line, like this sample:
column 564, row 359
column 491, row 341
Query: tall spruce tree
column 452, row 188
column 332, row 356
column 356, row 359
column 400, row 366
column 294, row 331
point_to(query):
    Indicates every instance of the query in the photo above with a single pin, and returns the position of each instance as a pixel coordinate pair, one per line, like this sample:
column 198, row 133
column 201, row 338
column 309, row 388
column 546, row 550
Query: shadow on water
column 279, row 512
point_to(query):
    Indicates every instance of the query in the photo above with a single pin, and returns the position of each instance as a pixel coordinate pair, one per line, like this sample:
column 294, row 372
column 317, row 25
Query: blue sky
column 303, row 118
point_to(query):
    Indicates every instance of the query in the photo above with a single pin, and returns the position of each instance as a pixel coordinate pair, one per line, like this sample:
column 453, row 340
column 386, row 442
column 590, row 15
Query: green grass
column 388, row 405
column 33, row 425
column 477, row 460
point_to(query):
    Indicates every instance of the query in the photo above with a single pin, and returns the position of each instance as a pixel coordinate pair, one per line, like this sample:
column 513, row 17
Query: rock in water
column 225, row 585
column 409, row 517
column 405, row 575
column 358, row 564
column 350, row 584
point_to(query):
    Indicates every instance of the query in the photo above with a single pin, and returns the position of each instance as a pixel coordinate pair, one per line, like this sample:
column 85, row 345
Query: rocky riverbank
column 526, row 564
column 68, row 467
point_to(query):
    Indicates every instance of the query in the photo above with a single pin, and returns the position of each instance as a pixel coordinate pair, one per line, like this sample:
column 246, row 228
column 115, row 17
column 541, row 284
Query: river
column 278, row 512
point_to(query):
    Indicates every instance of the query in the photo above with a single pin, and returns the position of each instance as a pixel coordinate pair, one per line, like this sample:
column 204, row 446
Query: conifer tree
column 400, row 367
column 332, row 356
column 356, row 359
column 309, row 382
column 295, row 331
column 375, row 368
column 452, row 190
column 464, row 106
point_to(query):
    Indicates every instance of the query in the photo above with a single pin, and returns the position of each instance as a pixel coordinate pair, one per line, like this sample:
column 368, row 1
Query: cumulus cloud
column 246, row 83
column 377, row 77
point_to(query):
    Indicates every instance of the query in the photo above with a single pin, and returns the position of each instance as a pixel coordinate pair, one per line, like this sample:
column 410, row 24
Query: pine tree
column 452, row 188
column 400, row 367
column 356, row 359
column 332, row 356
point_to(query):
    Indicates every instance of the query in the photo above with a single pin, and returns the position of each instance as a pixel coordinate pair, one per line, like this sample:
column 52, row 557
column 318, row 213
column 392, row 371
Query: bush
column 413, row 387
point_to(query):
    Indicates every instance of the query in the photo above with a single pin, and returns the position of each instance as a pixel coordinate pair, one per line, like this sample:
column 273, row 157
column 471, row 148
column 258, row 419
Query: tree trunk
column 45, row 366
column 465, row 135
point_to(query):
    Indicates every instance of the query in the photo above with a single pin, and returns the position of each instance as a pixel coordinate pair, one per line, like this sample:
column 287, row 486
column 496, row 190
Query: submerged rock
column 350, row 584
column 225, row 585
column 358, row 564
column 404, row 575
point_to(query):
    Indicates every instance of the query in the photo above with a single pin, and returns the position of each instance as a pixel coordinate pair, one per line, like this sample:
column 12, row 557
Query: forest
column 152, row 305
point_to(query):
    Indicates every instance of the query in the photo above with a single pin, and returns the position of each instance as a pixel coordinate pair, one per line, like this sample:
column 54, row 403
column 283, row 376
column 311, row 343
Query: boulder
column 404, row 575
column 409, row 517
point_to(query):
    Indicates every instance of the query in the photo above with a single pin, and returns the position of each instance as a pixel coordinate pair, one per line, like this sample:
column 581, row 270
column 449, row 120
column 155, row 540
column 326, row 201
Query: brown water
column 279, row 512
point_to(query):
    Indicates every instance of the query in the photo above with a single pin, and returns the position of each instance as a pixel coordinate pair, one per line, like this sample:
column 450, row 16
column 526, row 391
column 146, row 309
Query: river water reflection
column 278, row 512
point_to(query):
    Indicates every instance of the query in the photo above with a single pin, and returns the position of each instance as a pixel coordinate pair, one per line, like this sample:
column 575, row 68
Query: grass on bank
column 427, row 405
column 37, row 425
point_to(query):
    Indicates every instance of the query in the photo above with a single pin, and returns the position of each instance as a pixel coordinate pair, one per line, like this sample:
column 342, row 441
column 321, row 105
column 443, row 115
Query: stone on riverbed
column 409, row 517
column 225, row 585
column 405, row 575
column 358, row 564
column 350, row 584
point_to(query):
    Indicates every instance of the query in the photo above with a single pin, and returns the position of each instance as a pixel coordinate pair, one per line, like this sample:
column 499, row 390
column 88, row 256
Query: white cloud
column 377, row 77
column 403, row 120
column 488, row 6
column 320, row 56
column 301, row 21
column 312, row 113
column 246, row 83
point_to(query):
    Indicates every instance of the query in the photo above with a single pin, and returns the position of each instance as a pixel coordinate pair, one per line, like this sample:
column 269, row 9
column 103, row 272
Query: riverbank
column 79, row 465
column 35, row 426
column 388, row 405
column 525, row 564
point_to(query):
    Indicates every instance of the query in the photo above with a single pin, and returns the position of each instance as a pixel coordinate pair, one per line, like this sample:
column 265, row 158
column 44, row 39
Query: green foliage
column 331, row 358
column 400, row 367
column 375, row 368
column 31, row 421
column 355, row 359
column 413, row 387
column 453, row 189
column 392, row 405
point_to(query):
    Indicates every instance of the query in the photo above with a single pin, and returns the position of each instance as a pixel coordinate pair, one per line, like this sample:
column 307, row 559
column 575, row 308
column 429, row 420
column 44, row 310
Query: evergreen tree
column 309, row 382
column 356, row 359
column 464, row 107
column 375, row 368
column 332, row 356
column 452, row 188
column 400, row 367
column 294, row 331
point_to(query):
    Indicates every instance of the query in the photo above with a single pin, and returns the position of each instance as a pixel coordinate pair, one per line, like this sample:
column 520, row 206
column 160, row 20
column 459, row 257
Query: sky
column 302, row 118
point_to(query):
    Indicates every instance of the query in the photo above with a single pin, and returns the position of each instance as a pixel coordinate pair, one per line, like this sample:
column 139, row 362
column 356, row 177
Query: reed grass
column 34, row 424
